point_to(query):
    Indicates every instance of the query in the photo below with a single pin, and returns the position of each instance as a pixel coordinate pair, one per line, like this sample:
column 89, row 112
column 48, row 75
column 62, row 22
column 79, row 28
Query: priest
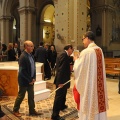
column 90, row 81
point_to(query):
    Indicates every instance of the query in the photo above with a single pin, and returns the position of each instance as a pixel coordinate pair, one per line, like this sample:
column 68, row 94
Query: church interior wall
column 61, row 24
column 0, row 32
column 97, row 23
column 108, row 29
column 70, row 22
column 107, row 23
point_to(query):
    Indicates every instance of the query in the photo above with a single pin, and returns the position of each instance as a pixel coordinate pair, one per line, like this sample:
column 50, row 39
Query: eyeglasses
column 83, row 38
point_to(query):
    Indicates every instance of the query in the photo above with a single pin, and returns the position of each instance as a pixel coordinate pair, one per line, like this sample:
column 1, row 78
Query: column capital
column 26, row 10
column 100, row 9
column 10, row 18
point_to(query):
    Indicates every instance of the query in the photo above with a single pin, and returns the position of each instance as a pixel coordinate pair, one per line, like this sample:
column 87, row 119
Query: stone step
column 39, row 67
column 39, row 76
column 41, row 95
column 40, row 85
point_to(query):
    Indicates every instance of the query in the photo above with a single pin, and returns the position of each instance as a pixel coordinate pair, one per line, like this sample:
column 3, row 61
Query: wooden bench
column 113, row 60
column 112, row 66
column 111, row 63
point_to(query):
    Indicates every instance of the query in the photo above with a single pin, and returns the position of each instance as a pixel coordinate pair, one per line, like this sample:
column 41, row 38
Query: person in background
column 2, row 115
column 3, row 53
column 40, row 55
column 11, row 53
column 47, row 63
column 4, row 49
column 53, row 55
column 90, row 80
column 33, row 53
column 62, row 76
column 17, row 51
column 26, row 80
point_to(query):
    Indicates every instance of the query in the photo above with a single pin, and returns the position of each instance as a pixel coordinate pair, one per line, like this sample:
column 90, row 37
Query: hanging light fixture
column 47, row 20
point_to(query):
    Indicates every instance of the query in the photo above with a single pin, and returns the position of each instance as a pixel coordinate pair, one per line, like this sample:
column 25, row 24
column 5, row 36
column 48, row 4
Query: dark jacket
column 40, row 54
column 1, row 112
column 62, row 69
column 11, row 55
column 24, row 75
column 18, row 51
column 53, row 55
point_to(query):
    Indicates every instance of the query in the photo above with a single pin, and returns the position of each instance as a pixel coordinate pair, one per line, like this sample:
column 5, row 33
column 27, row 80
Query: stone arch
column 7, row 5
column 46, row 24
column 41, row 6
column 16, row 16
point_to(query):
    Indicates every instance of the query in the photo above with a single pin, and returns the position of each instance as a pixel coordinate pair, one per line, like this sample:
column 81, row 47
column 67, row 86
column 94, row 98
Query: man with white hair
column 26, row 79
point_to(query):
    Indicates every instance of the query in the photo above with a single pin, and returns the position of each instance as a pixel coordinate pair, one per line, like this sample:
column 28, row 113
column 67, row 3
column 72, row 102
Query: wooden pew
column 112, row 60
column 110, row 65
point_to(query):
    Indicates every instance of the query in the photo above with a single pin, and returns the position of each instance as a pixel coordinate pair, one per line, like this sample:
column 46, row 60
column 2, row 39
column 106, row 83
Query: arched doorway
column 9, row 13
column 47, row 24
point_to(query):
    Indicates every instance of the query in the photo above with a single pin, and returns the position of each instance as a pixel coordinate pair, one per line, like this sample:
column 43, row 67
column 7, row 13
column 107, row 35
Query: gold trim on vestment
column 100, row 82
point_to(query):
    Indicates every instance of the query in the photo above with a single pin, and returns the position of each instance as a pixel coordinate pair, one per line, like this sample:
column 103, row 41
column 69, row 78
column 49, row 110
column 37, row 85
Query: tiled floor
column 43, row 106
column 113, row 96
column 114, row 100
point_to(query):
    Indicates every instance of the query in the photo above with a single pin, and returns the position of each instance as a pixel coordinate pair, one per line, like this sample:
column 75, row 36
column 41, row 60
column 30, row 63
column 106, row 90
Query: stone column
column 70, row 23
column 61, row 23
column 6, row 29
column 80, row 22
column 103, row 17
column 26, row 24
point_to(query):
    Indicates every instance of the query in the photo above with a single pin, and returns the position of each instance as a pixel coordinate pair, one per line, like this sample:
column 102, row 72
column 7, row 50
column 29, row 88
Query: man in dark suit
column 17, row 51
column 40, row 54
column 47, row 68
column 62, row 76
column 26, row 79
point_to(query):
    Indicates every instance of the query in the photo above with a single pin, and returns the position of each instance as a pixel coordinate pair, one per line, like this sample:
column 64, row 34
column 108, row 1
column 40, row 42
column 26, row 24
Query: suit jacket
column 40, row 54
column 17, row 51
column 62, row 69
column 11, row 55
column 53, row 55
column 24, row 75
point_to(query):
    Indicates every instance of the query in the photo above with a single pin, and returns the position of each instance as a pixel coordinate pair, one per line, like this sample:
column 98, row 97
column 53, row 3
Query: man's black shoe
column 65, row 107
column 58, row 118
column 35, row 113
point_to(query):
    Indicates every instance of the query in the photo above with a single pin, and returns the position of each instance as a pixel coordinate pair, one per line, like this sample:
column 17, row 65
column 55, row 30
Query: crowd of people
column 11, row 52
column 45, row 53
column 90, row 92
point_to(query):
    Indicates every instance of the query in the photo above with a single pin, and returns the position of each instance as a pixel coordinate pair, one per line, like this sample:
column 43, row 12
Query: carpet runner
column 43, row 106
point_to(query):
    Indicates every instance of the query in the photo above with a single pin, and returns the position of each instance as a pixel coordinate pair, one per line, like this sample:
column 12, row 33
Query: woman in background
column 4, row 53
column 53, row 55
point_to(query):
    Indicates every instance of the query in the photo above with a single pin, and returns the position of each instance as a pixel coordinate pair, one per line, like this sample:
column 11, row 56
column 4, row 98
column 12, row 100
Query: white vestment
column 87, row 74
